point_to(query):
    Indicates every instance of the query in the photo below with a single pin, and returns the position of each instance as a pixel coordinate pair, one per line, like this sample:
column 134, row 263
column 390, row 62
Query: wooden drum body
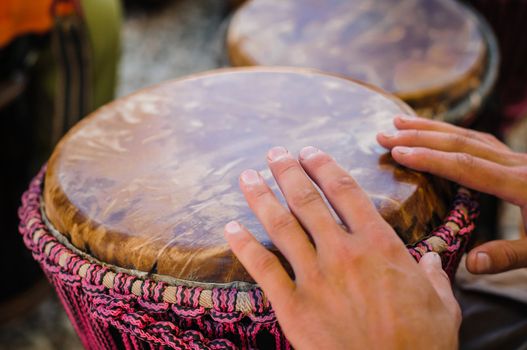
column 437, row 55
column 127, row 219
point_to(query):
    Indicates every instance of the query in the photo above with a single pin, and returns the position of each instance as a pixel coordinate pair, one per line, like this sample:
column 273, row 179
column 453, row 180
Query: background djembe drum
column 437, row 55
column 127, row 218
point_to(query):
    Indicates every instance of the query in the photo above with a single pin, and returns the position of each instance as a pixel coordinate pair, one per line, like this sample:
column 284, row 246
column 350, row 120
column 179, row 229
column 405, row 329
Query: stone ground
column 183, row 38
column 180, row 38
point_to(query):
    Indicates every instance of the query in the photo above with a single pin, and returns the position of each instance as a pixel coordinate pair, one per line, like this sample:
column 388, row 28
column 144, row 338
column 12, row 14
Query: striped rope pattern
column 112, row 309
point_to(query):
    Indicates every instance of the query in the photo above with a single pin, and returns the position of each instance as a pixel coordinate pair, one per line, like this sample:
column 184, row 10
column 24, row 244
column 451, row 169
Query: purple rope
column 110, row 318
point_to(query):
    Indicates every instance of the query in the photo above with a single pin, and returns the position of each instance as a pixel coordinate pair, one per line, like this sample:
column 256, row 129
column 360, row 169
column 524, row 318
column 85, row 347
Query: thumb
column 430, row 263
column 498, row 256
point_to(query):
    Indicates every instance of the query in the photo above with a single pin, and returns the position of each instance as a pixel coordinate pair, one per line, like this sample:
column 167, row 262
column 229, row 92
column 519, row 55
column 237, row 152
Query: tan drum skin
column 148, row 181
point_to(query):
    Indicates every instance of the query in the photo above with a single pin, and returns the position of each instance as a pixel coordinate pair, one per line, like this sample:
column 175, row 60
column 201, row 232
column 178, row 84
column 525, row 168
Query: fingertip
column 236, row 236
column 232, row 228
column 250, row 177
column 278, row 153
column 432, row 265
column 431, row 259
column 309, row 152
column 313, row 156
column 231, row 231
column 479, row 262
column 400, row 152
column 381, row 141
column 384, row 138
column 401, row 119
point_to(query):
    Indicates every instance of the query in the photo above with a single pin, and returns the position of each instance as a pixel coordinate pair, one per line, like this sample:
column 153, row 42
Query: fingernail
column 250, row 177
column 483, row 262
column 277, row 153
column 389, row 134
column 233, row 227
column 433, row 257
column 405, row 118
column 308, row 152
column 403, row 150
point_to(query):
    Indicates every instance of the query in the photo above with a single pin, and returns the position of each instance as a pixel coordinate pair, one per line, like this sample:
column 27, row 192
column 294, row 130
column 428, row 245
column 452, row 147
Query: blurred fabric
column 58, row 63
column 22, row 17
column 507, row 19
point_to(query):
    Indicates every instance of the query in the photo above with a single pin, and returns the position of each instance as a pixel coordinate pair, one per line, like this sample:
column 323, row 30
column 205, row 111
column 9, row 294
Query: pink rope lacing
column 108, row 318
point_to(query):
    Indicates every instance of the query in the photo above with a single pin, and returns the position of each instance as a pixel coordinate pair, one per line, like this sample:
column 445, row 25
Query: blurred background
column 58, row 65
column 132, row 44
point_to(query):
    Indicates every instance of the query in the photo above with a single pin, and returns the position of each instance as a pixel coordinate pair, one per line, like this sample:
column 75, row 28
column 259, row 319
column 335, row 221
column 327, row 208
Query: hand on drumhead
column 356, row 289
column 472, row 159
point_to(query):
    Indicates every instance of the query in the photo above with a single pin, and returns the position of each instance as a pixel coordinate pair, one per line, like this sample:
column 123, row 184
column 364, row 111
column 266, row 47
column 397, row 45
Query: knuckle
column 260, row 193
column 342, row 184
column 464, row 160
column 390, row 247
column 457, row 314
column 347, row 252
column 341, row 254
column 488, row 137
column 519, row 181
column 469, row 133
column 304, row 198
column 265, row 263
column 282, row 222
column 286, row 168
column 522, row 173
column 458, row 141
column 519, row 174
column 511, row 256
column 242, row 244
column 416, row 134
column 312, row 276
column 444, row 276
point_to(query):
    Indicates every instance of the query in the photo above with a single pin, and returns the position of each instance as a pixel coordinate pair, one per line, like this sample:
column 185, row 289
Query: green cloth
column 104, row 19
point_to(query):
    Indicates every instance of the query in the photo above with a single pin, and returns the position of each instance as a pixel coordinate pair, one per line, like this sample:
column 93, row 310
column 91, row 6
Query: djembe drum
column 127, row 218
column 437, row 55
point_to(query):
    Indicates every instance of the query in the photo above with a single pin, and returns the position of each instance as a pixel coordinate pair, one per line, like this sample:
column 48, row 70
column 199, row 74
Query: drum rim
column 47, row 244
column 462, row 113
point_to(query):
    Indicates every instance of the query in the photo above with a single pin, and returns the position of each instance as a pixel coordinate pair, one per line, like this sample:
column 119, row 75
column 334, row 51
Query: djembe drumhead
column 434, row 54
column 135, row 197
column 149, row 181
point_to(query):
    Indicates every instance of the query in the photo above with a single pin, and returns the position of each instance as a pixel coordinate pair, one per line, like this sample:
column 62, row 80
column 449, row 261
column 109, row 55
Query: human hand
column 472, row 159
column 351, row 290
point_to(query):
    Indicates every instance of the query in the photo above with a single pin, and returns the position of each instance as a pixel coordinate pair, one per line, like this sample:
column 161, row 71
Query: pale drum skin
column 148, row 181
column 430, row 53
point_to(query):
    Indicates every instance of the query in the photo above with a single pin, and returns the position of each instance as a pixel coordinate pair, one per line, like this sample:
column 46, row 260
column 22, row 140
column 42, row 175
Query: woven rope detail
column 205, row 299
column 450, row 239
column 96, row 296
column 451, row 234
